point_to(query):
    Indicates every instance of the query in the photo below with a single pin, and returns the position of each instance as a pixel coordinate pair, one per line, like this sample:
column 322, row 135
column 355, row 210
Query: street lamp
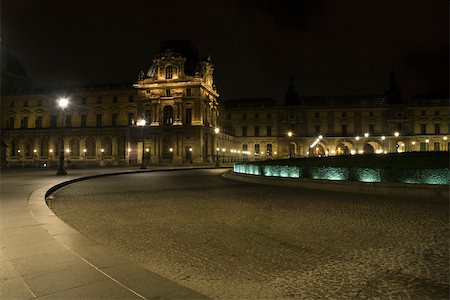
column 383, row 138
column 396, row 134
column 223, row 155
column 190, row 154
column 217, row 130
column 142, row 123
column 427, row 141
column 62, row 103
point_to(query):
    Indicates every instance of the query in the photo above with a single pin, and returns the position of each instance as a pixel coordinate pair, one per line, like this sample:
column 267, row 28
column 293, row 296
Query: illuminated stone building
column 179, row 102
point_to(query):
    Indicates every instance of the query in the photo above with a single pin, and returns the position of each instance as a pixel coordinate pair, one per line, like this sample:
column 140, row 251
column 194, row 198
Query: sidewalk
column 42, row 257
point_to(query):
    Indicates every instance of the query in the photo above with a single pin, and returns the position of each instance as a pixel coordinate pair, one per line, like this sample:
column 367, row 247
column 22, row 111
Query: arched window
column 257, row 149
column 168, row 115
column 107, row 146
column 269, row 149
column 90, row 146
column 43, row 147
column 14, row 148
column 437, row 146
column 169, row 72
column 74, row 146
column 244, row 147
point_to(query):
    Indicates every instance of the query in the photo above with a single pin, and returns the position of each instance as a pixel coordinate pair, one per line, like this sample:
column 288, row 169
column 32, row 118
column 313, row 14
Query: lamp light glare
column 357, row 138
column 216, row 130
column 63, row 103
column 383, row 137
column 366, row 134
column 396, row 133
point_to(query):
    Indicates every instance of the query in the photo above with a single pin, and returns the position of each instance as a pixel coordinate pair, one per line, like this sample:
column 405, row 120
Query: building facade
column 178, row 100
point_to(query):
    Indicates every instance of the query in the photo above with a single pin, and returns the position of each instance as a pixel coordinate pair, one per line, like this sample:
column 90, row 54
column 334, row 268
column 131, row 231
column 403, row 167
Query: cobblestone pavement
column 230, row 239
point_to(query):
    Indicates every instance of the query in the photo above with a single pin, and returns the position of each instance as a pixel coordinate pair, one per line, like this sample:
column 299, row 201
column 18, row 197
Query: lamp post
column 142, row 123
column 413, row 143
column 190, row 154
column 63, row 103
column 223, row 155
column 217, row 130
column 427, row 141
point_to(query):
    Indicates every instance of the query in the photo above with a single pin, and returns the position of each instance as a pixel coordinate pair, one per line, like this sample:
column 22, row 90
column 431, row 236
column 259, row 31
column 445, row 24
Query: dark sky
column 331, row 47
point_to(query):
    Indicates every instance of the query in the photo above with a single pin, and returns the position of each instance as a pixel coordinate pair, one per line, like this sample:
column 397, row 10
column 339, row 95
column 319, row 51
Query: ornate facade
column 178, row 100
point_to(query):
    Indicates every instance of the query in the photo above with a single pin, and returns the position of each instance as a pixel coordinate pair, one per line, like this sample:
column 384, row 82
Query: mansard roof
column 250, row 103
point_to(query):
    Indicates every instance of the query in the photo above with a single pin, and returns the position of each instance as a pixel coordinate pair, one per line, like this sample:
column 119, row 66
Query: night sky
column 331, row 47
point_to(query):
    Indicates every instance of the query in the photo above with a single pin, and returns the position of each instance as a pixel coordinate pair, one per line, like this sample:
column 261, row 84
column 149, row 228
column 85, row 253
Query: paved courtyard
column 228, row 239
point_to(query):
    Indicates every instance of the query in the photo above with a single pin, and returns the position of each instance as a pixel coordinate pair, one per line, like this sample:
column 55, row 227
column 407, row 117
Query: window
column 167, row 93
column 437, row 129
column 169, row 71
column 83, row 100
column 188, row 119
column 24, row 122
column 114, row 119
column 256, row 116
column 11, row 123
column 53, row 121
column 130, row 98
column 317, row 114
column 68, row 123
column 344, row 114
column 244, row 131
column 371, row 129
column 83, row 120
column 228, row 116
column 422, row 113
column 148, row 116
column 11, row 104
column 437, row 146
column 188, row 92
column 371, row 114
column 269, row 116
column 25, row 103
column 99, row 120
column 344, row 130
column 130, row 118
column 168, row 115
column 244, row 116
column 99, row 100
column 436, row 113
column 399, row 127
column 269, row 131
column 115, row 99
column 257, row 149
column 39, row 103
column 43, row 147
column 256, row 130
column 269, row 149
column 244, row 147
column 317, row 129
column 423, row 128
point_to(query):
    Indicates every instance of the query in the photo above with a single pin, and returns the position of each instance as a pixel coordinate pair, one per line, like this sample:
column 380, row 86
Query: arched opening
column 74, row 146
column 106, row 145
column 14, row 148
column 437, row 146
column 257, row 149
column 292, row 149
column 269, row 150
column 368, row 149
column 28, row 151
column 342, row 149
column 168, row 115
column 90, row 147
column 167, row 144
column 43, row 147
column 400, row 146
column 318, row 151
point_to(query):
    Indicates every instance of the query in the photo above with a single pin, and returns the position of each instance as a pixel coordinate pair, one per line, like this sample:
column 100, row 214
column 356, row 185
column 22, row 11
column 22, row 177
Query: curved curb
column 377, row 188
column 131, row 276
column 56, row 187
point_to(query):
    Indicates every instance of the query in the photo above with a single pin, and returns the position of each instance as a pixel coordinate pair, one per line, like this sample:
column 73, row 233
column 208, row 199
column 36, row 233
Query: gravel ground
column 230, row 239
